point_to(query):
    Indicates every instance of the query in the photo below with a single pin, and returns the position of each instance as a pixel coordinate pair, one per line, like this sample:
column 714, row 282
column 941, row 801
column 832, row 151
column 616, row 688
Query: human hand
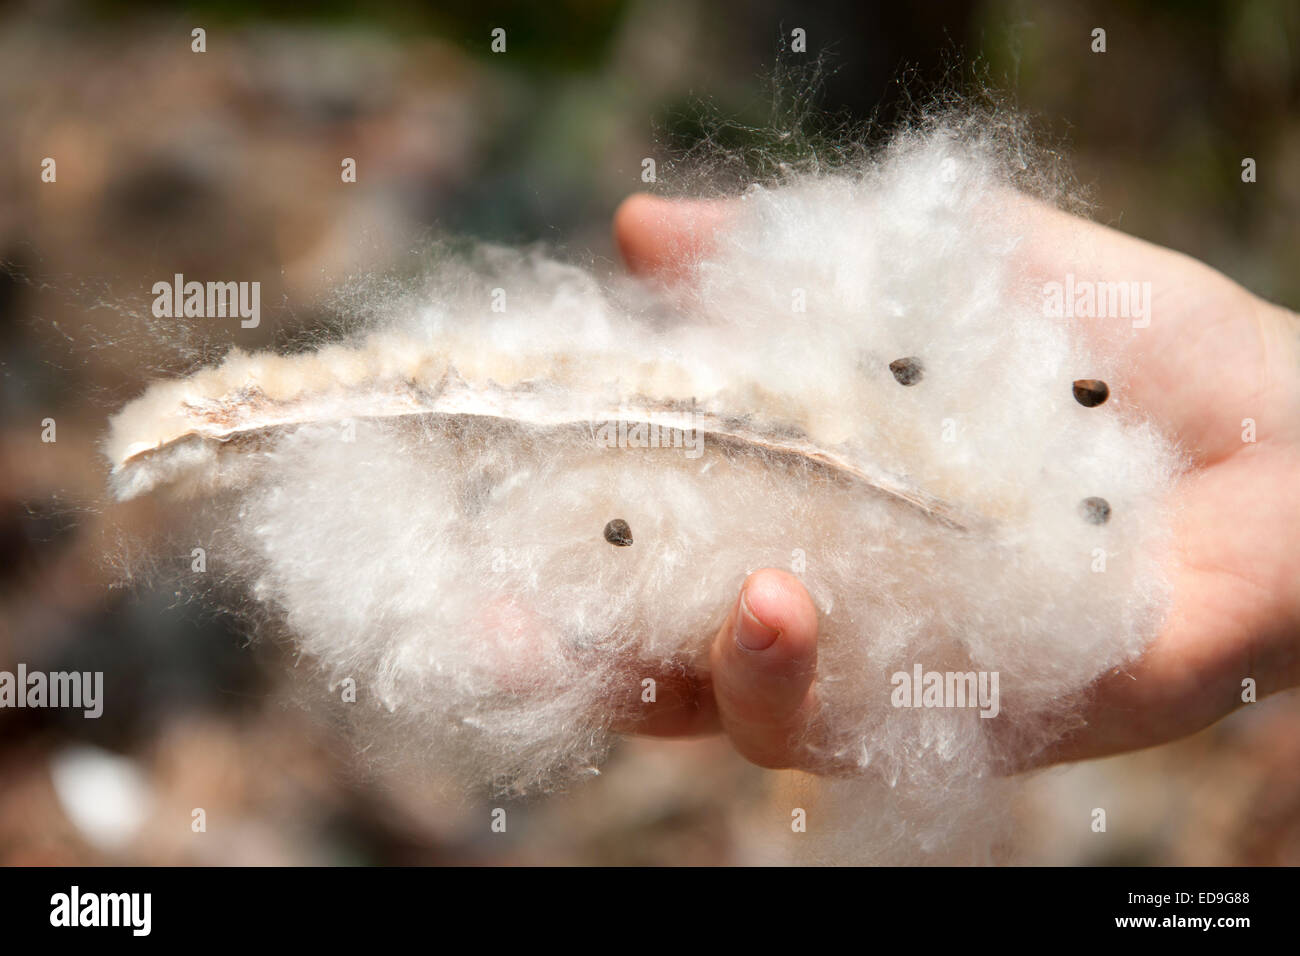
column 1212, row 356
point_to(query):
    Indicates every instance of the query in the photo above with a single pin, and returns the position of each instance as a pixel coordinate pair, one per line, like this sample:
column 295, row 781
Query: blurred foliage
column 558, row 35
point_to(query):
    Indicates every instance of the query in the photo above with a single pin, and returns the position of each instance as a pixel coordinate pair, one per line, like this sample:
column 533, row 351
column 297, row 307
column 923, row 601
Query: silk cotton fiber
column 854, row 384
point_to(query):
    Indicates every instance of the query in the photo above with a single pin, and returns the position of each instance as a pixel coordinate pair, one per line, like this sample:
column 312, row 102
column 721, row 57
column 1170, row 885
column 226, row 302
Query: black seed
column 618, row 533
column 908, row 371
column 1095, row 510
column 1091, row 392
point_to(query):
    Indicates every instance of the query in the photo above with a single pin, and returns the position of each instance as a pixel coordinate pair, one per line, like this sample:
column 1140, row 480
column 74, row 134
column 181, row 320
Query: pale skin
column 1213, row 355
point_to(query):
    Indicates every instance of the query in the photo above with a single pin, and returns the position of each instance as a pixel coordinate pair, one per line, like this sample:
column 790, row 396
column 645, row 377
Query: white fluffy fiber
column 454, row 564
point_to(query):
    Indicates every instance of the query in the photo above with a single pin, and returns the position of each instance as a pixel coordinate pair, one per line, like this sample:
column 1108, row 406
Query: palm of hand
column 1215, row 368
column 1212, row 357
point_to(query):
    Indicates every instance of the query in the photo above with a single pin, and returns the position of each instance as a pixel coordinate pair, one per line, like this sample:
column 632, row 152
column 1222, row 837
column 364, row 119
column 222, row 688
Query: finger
column 665, row 238
column 763, row 663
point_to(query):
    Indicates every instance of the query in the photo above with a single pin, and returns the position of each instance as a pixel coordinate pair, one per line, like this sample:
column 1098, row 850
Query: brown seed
column 907, row 371
column 1091, row 392
column 1095, row 510
column 618, row 533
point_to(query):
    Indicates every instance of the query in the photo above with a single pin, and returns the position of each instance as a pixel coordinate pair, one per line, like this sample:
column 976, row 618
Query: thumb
column 665, row 238
column 763, row 662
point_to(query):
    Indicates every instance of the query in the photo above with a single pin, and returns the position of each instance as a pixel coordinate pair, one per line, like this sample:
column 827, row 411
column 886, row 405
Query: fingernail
column 751, row 633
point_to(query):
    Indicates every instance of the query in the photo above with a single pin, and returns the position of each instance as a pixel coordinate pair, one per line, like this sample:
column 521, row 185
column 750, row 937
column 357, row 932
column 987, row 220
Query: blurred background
column 226, row 164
